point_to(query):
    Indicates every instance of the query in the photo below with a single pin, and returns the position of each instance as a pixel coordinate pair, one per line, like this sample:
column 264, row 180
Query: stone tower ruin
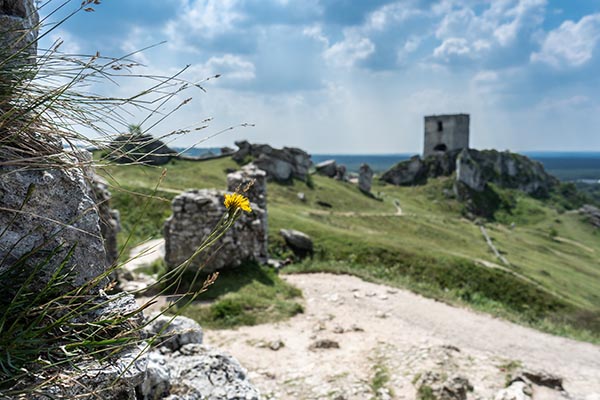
column 446, row 132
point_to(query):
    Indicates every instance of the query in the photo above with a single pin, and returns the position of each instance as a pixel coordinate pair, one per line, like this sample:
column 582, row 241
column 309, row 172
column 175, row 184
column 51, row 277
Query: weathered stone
column 327, row 168
column 48, row 211
column 195, row 214
column 281, row 165
column 174, row 332
column 592, row 213
column 517, row 390
column 341, row 173
column 299, row 242
column 301, row 196
column 438, row 386
column 543, row 378
column 365, row 178
column 324, row 344
column 110, row 220
column 445, row 133
column 200, row 372
column 476, row 169
column 18, row 32
column 410, row 172
column 140, row 148
column 257, row 192
column 156, row 384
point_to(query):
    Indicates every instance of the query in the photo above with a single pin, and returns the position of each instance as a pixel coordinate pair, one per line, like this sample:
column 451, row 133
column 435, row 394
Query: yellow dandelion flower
column 235, row 201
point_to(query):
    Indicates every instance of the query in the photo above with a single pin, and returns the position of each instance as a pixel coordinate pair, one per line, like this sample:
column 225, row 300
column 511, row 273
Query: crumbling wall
column 195, row 214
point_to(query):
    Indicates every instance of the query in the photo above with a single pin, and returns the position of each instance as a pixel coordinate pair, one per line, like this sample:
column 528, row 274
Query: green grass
column 248, row 295
column 552, row 283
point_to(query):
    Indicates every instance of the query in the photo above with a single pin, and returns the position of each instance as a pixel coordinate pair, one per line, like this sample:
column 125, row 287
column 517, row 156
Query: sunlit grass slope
column 552, row 280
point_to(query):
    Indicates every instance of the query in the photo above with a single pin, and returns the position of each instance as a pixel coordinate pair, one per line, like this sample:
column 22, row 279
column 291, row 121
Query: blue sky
column 357, row 76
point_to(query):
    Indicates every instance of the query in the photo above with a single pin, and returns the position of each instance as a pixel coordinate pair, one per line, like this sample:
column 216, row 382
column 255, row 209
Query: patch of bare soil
column 358, row 340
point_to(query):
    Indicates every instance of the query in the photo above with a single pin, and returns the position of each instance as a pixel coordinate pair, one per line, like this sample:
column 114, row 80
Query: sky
column 358, row 76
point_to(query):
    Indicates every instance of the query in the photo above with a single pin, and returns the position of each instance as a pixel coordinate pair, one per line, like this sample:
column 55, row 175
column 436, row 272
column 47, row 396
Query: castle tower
column 446, row 132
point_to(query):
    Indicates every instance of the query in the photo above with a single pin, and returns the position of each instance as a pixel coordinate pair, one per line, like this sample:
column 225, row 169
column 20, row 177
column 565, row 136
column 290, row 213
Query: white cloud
column 571, row 44
column 465, row 32
column 316, row 32
column 452, row 47
column 393, row 13
column 232, row 67
column 204, row 18
column 350, row 50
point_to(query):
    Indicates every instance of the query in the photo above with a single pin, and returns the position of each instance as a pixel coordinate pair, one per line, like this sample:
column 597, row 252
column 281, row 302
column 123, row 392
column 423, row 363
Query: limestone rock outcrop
column 110, row 219
column 327, row 168
column 365, row 178
column 299, row 242
column 281, row 165
column 18, row 32
column 476, row 169
column 592, row 214
column 140, row 148
column 48, row 213
column 182, row 368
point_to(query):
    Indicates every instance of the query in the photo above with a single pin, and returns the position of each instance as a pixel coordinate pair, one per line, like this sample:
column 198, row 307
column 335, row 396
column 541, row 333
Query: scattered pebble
column 324, row 344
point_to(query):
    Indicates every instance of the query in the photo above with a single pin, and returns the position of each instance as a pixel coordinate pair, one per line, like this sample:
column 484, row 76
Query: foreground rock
column 110, row 220
column 18, row 35
column 281, row 165
column 115, row 377
column 184, row 369
column 48, row 214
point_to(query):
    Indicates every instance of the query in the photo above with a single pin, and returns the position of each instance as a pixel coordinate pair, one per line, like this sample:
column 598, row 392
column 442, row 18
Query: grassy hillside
column 552, row 280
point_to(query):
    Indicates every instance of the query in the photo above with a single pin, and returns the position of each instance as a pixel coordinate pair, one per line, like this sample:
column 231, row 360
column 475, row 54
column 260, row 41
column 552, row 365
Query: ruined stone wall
column 195, row 214
column 446, row 132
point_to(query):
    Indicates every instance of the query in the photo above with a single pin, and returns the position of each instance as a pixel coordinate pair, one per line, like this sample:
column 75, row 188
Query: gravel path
column 383, row 328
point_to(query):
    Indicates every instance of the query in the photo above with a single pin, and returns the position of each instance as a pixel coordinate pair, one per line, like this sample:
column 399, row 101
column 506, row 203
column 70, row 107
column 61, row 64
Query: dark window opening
column 440, row 147
column 440, row 126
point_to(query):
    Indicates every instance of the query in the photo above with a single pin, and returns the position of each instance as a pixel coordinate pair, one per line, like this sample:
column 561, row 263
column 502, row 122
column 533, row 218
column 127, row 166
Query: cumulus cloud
column 350, row 50
column 571, row 44
column 202, row 20
column 452, row 47
column 466, row 32
column 232, row 67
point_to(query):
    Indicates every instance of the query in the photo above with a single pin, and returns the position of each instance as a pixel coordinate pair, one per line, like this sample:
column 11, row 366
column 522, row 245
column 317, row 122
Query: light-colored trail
column 406, row 333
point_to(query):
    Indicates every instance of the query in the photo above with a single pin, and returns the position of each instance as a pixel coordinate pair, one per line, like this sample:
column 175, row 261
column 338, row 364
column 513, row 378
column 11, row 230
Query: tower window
column 440, row 126
column 440, row 147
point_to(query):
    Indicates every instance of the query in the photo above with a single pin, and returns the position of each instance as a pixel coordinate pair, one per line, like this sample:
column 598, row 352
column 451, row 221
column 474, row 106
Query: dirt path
column 385, row 329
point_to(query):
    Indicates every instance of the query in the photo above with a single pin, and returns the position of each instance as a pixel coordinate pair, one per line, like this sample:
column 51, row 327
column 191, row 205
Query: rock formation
column 299, row 242
column 340, row 173
column 365, row 178
column 592, row 213
column 110, row 220
column 281, row 165
column 475, row 171
column 18, row 32
column 327, row 168
column 195, row 214
column 140, row 148
column 48, row 213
